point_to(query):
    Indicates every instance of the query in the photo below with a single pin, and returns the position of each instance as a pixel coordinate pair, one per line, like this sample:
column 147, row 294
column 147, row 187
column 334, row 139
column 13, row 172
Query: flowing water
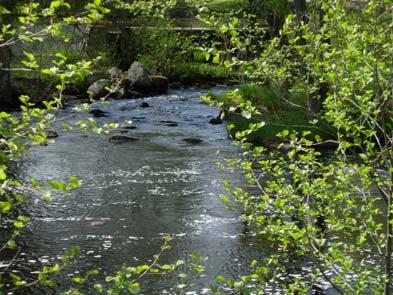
column 135, row 193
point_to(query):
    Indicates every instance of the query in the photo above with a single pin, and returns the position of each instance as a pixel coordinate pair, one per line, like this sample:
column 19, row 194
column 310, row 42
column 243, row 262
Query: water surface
column 135, row 193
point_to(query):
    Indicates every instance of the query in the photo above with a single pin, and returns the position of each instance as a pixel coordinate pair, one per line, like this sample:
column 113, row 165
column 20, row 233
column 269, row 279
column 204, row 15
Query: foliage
column 277, row 113
column 331, row 214
column 162, row 49
column 29, row 127
column 201, row 72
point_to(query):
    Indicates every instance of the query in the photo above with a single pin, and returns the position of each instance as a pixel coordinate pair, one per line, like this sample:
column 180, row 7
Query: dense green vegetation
column 277, row 113
column 324, row 75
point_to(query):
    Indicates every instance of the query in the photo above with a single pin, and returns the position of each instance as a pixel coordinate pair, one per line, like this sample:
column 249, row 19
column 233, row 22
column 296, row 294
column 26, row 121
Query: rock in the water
column 98, row 88
column 122, row 139
column 127, row 107
column 120, row 93
column 193, row 140
column 98, row 113
column 138, row 77
column 215, row 121
column 172, row 124
column 167, row 122
column 132, row 94
column 175, row 85
column 115, row 73
column 159, row 85
column 51, row 134
column 140, row 80
column 144, row 105
column 130, row 127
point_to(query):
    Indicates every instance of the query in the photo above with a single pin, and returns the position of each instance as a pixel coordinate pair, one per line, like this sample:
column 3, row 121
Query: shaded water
column 134, row 193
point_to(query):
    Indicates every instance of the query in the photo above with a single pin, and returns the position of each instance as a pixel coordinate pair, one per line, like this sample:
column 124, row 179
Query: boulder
column 138, row 78
column 144, row 105
column 115, row 73
column 120, row 93
column 139, row 82
column 97, row 89
column 159, row 84
column 175, row 85
column 129, row 93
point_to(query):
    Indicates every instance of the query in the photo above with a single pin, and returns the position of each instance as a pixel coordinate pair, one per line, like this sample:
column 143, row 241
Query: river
column 135, row 193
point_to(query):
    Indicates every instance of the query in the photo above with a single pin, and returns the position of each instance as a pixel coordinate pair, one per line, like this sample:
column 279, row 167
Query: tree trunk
column 6, row 97
column 300, row 8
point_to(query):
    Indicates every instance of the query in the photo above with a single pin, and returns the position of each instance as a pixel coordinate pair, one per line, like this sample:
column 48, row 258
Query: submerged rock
column 122, row 139
column 98, row 113
column 216, row 121
column 127, row 108
column 172, row 124
column 167, row 122
column 192, row 140
column 144, row 105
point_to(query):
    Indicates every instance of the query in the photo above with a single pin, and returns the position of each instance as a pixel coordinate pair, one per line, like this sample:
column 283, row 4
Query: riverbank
column 277, row 113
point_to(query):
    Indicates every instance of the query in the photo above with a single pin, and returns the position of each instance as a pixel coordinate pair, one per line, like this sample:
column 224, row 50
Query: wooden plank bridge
column 179, row 24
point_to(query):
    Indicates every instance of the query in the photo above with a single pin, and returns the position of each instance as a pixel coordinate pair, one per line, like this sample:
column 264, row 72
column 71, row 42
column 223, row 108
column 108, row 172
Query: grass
column 200, row 72
column 225, row 5
column 291, row 120
column 277, row 114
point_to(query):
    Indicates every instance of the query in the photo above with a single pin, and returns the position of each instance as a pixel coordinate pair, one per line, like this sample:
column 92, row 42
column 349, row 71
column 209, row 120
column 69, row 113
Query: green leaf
column 3, row 175
column 29, row 56
column 11, row 244
column 4, row 10
column 99, row 288
column 196, row 256
column 134, row 288
column 93, row 272
column 216, row 58
column 18, row 224
column 220, row 279
column 246, row 114
column 5, row 206
column 181, row 286
column 77, row 280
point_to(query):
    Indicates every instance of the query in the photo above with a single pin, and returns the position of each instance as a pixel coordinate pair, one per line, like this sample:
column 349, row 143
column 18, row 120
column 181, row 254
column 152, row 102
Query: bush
column 199, row 73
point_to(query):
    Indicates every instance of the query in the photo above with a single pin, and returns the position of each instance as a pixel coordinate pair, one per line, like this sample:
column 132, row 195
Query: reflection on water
column 137, row 192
